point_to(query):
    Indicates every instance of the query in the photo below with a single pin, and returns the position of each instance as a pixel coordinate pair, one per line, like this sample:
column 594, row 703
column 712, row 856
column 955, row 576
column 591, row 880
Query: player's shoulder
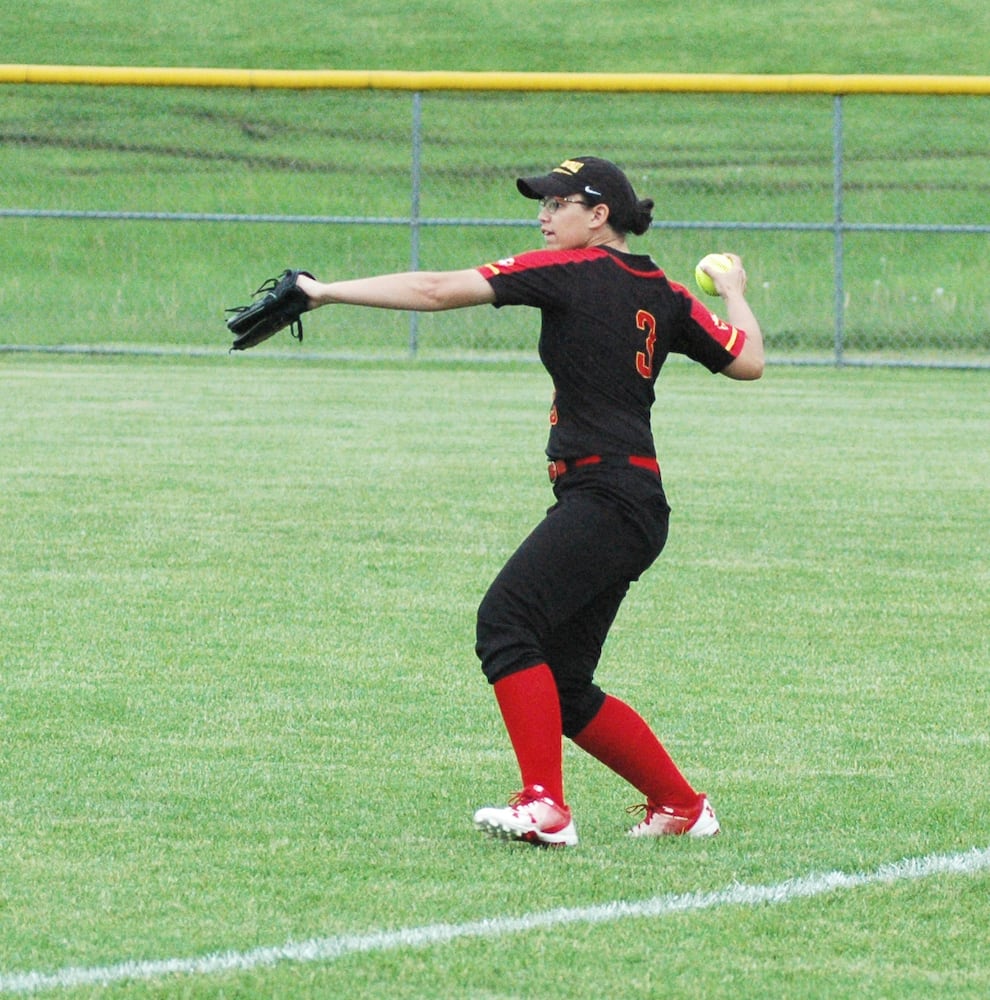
column 535, row 260
column 639, row 264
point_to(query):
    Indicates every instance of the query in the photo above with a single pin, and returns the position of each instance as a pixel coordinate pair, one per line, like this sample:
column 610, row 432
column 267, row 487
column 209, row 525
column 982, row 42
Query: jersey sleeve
column 705, row 337
column 540, row 278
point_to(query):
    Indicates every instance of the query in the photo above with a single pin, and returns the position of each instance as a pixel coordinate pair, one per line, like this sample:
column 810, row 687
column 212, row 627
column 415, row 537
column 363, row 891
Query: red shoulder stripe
column 533, row 259
column 730, row 337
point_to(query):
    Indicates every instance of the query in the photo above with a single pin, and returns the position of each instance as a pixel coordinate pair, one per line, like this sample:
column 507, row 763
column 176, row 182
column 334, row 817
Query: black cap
column 597, row 180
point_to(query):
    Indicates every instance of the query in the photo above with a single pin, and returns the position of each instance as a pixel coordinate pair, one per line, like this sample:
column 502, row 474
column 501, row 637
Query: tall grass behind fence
column 133, row 215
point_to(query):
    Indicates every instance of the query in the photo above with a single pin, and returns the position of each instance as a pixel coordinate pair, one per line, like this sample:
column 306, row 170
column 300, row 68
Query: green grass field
column 847, row 36
column 241, row 709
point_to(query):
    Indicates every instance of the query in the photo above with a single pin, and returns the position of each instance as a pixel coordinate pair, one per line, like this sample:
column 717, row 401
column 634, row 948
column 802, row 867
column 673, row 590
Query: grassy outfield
column 240, row 706
column 846, row 36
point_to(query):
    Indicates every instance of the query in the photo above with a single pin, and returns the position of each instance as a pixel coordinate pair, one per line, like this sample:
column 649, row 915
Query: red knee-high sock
column 530, row 708
column 622, row 741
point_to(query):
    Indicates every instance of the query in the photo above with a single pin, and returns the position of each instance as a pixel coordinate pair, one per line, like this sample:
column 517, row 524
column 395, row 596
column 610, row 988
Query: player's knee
column 577, row 709
column 503, row 645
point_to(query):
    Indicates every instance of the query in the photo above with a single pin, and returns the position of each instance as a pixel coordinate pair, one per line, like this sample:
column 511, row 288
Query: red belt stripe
column 558, row 467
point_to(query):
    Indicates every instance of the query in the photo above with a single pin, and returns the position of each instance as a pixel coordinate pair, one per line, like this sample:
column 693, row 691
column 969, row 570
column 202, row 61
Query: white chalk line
column 329, row 949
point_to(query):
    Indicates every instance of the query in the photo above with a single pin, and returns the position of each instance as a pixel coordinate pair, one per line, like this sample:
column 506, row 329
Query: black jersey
column 609, row 321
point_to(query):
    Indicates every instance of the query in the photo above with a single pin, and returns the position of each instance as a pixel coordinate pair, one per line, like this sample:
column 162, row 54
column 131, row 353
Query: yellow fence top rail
column 275, row 79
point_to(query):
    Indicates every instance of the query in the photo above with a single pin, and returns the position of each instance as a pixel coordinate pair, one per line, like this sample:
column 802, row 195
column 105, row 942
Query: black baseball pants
column 556, row 598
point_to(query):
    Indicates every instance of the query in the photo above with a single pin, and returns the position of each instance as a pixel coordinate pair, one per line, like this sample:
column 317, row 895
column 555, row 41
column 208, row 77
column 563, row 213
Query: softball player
column 610, row 318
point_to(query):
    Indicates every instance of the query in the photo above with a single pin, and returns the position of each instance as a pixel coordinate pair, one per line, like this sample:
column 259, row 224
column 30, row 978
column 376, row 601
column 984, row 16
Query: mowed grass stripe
column 329, row 949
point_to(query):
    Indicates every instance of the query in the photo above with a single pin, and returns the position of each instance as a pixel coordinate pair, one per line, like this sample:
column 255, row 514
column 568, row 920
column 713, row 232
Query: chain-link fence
column 132, row 215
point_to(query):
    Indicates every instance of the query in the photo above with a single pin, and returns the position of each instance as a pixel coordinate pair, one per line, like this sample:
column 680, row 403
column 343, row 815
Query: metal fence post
column 414, row 217
column 838, row 245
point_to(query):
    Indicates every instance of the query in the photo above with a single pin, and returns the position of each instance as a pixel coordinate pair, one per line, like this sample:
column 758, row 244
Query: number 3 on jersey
column 644, row 359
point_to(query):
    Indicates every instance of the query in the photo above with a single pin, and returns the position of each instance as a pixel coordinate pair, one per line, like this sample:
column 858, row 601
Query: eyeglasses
column 550, row 205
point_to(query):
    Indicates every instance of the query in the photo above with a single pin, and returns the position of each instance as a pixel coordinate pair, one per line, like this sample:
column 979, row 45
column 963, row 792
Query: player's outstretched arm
column 421, row 291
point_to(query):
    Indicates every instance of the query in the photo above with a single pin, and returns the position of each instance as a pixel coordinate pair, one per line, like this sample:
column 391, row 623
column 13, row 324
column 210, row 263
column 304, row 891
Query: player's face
column 564, row 222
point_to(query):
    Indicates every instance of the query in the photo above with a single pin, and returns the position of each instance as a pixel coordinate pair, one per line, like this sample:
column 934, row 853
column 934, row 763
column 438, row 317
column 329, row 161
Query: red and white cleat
column 531, row 816
column 664, row 821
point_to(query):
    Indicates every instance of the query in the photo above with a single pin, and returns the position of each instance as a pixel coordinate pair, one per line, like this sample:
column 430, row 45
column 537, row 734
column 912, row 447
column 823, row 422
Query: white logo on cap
column 590, row 190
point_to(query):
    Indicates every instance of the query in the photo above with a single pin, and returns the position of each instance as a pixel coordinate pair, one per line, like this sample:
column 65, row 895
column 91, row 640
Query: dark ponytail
column 642, row 217
column 636, row 219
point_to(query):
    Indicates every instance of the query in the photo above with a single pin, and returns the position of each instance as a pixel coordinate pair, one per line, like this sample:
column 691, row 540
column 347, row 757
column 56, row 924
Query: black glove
column 281, row 305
